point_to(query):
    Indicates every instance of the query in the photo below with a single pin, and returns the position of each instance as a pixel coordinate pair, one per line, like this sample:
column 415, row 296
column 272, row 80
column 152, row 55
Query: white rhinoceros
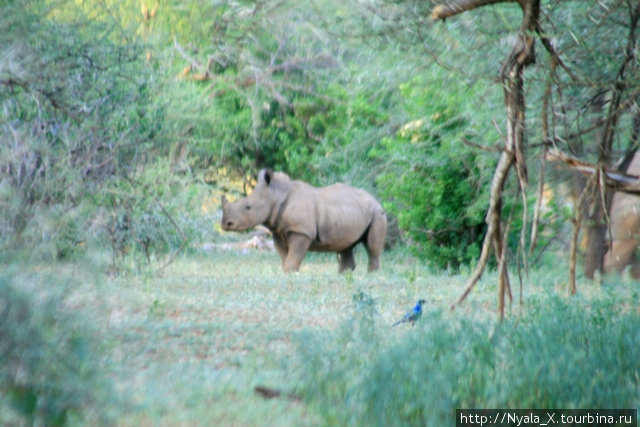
column 302, row 218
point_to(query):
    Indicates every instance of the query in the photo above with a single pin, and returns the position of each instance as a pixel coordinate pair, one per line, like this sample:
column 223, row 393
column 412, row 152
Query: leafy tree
column 316, row 91
column 80, row 114
column 523, row 55
column 433, row 182
column 263, row 68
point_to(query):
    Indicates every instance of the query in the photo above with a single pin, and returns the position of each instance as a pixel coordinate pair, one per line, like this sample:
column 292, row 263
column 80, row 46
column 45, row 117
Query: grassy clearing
column 187, row 346
column 200, row 337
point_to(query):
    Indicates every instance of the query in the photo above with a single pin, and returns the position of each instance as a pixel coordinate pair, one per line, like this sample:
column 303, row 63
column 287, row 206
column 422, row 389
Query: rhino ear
column 265, row 175
column 224, row 200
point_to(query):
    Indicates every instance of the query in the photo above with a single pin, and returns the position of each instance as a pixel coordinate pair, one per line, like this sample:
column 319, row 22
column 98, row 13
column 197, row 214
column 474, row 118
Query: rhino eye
column 248, row 208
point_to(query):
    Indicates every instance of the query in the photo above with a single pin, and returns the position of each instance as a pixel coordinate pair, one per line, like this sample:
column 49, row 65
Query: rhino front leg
column 281, row 247
column 298, row 246
column 346, row 260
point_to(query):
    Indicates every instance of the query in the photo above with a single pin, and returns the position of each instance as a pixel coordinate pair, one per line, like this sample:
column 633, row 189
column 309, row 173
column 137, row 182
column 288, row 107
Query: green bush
column 75, row 112
column 562, row 355
column 49, row 372
column 432, row 182
column 153, row 212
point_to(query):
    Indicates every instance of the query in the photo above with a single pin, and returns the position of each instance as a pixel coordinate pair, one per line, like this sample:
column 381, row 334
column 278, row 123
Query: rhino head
column 252, row 210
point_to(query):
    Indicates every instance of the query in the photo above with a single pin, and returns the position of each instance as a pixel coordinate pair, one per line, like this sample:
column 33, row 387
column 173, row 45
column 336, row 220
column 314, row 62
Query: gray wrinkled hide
column 302, row 217
column 625, row 228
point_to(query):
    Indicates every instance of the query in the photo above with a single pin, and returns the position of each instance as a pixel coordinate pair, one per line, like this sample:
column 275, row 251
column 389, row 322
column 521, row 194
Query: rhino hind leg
column 346, row 260
column 298, row 245
column 635, row 268
column 620, row 255
column 375, row 240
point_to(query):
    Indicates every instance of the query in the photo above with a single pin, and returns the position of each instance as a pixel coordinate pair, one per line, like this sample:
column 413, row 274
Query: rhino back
column 334, row 217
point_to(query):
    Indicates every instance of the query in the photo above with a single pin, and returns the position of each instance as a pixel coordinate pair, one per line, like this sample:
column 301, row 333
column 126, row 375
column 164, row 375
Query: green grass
column 211, row 328
column 188, row 345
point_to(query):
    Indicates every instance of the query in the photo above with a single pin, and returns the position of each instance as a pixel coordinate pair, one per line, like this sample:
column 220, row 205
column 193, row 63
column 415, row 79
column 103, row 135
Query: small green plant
column 349, row 277
column 156, row 309
column 411, row 275
column 361, row 299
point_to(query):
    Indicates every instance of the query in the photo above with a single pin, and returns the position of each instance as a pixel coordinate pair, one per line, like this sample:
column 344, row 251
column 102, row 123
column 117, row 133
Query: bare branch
column 455, row 7
column 602, row 187
column 615, row 180
column 493, row 221
column 500, row 245
column 480, row 146
column 546, row 42
column 192, row 62
column 573, row 250
column 182, row 245
column 522, row 245
column 537, row 207
column 477, row 274
column 545, row 136
column 513, row 155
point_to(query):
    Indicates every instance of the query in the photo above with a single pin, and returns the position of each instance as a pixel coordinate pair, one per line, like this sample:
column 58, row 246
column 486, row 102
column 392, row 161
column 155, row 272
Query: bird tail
column 397, row 323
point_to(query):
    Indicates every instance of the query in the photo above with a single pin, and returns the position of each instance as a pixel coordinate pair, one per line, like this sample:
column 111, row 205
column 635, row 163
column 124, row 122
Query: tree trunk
column 593, row 209
column 513, row 154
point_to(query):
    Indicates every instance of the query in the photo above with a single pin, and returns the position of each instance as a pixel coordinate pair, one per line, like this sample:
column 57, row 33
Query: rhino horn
column 224, row 200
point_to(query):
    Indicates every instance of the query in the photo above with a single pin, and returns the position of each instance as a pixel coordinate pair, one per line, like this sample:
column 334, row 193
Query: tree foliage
column 317, row 90
column 430, row 180
column 96, row 95
column 72, row 117
column 86, row 134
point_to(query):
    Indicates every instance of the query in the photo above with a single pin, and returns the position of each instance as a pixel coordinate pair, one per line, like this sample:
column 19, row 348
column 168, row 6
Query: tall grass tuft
column 562, row 354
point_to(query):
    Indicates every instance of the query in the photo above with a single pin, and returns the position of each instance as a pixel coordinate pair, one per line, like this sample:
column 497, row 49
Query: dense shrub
column 91, row 153
column 75, row 111
column 107, row 113
column 49, row 373
column 431, row 181
column 154, row 212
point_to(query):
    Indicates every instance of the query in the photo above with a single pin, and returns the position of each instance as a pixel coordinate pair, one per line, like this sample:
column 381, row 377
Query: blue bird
column 413, row 314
